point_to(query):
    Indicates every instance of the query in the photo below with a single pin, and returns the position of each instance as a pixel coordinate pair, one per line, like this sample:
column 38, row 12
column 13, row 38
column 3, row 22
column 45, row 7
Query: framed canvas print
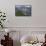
column 23, row 10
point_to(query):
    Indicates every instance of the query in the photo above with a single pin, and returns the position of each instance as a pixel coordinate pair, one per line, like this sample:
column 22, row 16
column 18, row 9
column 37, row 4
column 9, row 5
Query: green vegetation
column 19, row 13
column 2, row 19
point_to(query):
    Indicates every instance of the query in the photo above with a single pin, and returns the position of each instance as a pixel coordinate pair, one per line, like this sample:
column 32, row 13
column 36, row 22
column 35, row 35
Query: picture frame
column 23, row 10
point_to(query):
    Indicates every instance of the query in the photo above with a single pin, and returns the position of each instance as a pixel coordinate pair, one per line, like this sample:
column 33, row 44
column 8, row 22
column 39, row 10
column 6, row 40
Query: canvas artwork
column 23, row 10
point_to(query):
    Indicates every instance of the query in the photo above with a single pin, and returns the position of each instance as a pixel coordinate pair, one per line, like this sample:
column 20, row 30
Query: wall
column 36, row 22
column 38, row 18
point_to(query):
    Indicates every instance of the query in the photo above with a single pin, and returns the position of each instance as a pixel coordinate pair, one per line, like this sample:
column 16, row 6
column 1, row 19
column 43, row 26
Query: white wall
column 38, row 18
column 37, row 21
